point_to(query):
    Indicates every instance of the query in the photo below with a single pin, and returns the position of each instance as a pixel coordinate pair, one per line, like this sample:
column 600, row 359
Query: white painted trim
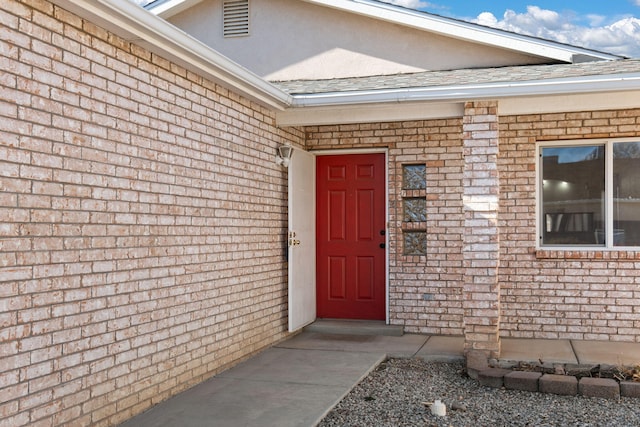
column 387, row 271
column 138, row 26
column 531, row 97
column 169, row 8
column 538, row 196
column 569, row 102
column 447, row 27
column 372, row 113
column 466, row 31
column 460, row 93
column 608, row 144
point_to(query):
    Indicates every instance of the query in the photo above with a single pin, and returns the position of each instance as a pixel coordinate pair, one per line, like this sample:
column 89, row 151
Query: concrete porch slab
column 227, row 402
column 442, row 349
column 610, row 353
column 354, row 327
column 405, row 346
column 535, row 350
column 276, row 388
column 305, row 366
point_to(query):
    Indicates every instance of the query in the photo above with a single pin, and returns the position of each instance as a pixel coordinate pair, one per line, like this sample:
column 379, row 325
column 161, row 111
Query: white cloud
column 621, row 37
column 596, row 20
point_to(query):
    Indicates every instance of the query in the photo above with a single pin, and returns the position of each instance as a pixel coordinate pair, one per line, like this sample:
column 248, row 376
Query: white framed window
column 588, row 193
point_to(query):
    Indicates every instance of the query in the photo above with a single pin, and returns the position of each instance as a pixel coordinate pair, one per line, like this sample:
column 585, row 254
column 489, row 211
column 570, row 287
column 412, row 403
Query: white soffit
column 371, row 113
column 436, row 24
column 527, row 97
column 571, row 102
column 140, row 27
column 460, row 93
column 466, row 31
column 168, row 8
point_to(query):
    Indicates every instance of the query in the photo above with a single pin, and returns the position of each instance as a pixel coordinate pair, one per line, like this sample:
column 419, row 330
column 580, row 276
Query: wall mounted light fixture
column 283, row 157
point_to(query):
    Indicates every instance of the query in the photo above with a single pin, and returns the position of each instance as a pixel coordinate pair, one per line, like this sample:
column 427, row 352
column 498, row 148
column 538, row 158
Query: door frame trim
column 385, row 151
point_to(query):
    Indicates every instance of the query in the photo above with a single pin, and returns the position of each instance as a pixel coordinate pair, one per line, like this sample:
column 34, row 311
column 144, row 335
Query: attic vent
column 235, row 15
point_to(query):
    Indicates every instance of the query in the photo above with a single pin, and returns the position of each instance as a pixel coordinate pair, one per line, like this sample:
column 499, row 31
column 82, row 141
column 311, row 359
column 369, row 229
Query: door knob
column 382, row 245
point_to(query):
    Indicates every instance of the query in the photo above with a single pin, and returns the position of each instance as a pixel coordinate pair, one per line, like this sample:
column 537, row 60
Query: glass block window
column 415, row 209
column 415, row 242
column 414, row 177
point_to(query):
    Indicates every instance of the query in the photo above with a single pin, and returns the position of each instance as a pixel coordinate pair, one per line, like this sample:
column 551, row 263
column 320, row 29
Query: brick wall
column 425, row 291
column 481, row 250
column 590, row 295
column 133, row 193
column 143, row 224
column 543, row 294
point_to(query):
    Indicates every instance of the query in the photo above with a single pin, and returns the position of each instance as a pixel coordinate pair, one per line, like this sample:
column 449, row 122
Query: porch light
column 284, row 155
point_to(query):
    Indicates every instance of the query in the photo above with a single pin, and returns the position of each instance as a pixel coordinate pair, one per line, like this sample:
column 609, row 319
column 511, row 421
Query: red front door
column 350, row 236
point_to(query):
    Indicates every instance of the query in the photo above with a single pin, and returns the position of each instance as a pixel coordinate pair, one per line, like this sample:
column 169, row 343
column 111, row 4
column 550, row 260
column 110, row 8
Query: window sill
column 604, row 254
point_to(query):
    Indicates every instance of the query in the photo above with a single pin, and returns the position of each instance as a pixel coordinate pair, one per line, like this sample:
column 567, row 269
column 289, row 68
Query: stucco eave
column 467, row 31
column 554, row 95
column 370, row 113
column 461, row 93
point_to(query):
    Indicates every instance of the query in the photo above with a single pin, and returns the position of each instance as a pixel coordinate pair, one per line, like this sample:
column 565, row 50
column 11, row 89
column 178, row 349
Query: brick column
column 481, row 250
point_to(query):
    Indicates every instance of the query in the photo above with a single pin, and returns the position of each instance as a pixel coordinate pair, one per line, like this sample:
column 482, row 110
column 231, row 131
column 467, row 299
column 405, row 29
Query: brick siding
column 481, row 250
column 143, row 224
column 586, row 295
column 425, row 292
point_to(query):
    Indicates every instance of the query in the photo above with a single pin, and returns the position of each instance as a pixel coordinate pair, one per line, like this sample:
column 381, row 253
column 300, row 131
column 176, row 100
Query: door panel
column 350, row 199
column 301, row 240
column 337, row 278
column 365, row 278
column 365, row 211
column 337, row 215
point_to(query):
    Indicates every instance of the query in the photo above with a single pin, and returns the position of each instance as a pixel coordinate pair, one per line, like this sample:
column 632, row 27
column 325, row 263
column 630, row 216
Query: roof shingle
column 460, row 77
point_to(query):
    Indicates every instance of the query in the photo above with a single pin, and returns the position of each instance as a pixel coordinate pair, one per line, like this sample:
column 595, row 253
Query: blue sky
column 611, row 25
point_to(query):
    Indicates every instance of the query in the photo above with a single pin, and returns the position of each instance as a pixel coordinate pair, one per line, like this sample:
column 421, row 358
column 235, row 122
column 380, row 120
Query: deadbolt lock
column 292, row 240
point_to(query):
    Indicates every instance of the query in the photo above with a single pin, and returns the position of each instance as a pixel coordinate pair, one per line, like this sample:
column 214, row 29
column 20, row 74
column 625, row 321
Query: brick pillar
column 481, row 250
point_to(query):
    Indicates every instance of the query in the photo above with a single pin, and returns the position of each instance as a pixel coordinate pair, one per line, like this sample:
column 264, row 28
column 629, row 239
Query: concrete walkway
column 297, row 382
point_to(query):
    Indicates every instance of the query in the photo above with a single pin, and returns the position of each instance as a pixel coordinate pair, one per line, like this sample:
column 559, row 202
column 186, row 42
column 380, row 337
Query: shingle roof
column 460, row 77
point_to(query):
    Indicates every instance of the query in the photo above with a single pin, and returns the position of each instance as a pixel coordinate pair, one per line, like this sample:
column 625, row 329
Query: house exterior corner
column 144, row 224
column 482, row 273
column 143, row 232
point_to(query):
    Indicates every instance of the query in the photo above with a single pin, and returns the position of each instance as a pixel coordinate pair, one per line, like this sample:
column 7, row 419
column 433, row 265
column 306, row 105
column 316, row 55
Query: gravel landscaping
column 394, row 395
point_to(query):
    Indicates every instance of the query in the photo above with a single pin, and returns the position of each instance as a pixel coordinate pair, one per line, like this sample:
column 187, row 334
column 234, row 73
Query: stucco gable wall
column 143, row 224
column 292, row 39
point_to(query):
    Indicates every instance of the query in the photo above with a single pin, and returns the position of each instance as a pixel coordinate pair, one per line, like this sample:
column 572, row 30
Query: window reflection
column 573, row 195
column 626, row 194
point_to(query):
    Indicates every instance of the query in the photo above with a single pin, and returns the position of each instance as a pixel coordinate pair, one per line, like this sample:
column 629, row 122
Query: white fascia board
column 139, row 26
column 372, row 113
column 466, row 31
column 562, row 103
column 498, row 90
column 168, row 8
